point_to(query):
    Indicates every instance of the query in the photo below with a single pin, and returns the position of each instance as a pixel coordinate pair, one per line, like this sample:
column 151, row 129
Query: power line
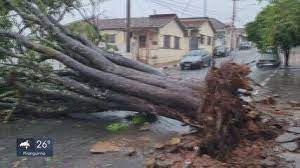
column 180, row 5
column 141, row 6
column 172, row 5
column 174, row 9
column 186, row 6
column 182, row 10
column 183, row 5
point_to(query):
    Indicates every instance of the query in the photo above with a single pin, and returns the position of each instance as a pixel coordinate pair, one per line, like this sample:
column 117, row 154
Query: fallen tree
column 95, row 80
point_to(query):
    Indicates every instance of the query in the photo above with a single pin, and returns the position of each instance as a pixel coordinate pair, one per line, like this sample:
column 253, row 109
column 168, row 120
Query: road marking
column 255, row 92
column 264, row 82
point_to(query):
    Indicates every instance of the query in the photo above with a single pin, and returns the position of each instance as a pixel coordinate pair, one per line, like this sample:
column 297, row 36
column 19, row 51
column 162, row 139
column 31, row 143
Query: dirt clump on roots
column 231, row 130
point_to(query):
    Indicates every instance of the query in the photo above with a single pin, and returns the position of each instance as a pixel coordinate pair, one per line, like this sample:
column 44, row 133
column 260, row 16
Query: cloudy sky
column 220, row 9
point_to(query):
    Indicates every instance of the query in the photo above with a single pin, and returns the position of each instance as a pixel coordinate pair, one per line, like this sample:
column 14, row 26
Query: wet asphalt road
column 73, row 138
column 242, row 57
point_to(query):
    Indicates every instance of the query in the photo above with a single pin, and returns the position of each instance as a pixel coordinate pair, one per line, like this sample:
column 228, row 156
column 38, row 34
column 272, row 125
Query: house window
column 111, row 38
column 202, row 38
column 167, row 41
column 177, row 42
column 208, row 40
column 142, row 40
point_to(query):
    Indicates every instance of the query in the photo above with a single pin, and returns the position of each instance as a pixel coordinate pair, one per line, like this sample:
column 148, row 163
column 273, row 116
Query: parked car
column 268, row 59
column 221, row 51
column 195, row 59
column 245, row 46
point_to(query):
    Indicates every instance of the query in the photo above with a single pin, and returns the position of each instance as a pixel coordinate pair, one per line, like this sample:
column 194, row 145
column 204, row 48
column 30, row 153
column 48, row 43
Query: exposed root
column 224, row 114
column 226, row 119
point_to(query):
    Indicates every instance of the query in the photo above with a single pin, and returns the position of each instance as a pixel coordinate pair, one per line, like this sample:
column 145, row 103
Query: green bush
column 142, row 118
column 115, row 127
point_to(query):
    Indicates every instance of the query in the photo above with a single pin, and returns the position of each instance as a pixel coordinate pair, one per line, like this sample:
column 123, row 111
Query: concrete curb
column 250, row 62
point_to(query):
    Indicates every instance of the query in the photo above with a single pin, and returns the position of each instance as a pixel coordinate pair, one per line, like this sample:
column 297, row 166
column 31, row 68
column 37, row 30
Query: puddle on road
column 163, row 125
column 73, row 139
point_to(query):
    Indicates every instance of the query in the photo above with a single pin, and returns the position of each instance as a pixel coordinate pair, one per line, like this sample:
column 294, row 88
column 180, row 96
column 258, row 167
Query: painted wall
column 120, row 39
column 228, row 38
column 207, row 30
column 170, row 55
column 155, row 52
column 144, row 53
column 220, row 38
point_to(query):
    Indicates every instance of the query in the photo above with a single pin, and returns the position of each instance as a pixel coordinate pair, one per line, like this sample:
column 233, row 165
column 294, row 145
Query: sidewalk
column 285, row 86
column 295, row 57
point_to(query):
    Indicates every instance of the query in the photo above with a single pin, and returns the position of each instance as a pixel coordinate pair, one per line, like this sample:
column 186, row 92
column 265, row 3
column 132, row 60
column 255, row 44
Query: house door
column 142, row 41
column 194, row 43
column 143, row 50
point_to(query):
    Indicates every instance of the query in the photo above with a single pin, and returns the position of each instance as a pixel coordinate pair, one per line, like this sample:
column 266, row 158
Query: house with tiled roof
column 158, row 40
column 223, row 32
column 200, row 33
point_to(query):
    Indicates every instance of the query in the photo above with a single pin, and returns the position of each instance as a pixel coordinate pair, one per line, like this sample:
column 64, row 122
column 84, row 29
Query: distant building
column 224, row 34
column 242, row 36
column 200, row 33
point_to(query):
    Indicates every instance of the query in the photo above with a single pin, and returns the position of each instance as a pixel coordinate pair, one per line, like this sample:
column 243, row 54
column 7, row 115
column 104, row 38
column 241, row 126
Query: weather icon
column 25, row 144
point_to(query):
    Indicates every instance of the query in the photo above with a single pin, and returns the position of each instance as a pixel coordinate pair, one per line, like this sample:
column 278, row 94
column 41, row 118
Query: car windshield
column 195, row 53
column 267, row 57
column 220, row 48
column 269, row 50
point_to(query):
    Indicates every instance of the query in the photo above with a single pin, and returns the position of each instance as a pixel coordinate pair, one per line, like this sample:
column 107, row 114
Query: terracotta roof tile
column 192, row 23
column 154, row 21
column 217, row 25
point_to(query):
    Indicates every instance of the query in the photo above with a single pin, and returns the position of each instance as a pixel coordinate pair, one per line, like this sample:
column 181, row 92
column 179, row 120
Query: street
column 262, row 76
column 241, row 57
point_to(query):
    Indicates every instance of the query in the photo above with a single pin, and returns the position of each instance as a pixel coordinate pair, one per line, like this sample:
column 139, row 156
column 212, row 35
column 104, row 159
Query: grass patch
column 142, row 118
column 115, row 127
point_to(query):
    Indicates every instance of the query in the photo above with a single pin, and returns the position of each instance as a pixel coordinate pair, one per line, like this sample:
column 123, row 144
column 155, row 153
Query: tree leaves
column 277, row 25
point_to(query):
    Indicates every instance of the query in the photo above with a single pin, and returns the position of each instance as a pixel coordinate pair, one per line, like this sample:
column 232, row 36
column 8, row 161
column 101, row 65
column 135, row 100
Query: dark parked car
column 268, row 60
column 195, row 59
column 221, row 51
column 244, row 46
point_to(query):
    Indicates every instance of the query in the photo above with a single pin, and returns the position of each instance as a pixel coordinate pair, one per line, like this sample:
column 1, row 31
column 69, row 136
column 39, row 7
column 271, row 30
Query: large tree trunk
column 101, row 81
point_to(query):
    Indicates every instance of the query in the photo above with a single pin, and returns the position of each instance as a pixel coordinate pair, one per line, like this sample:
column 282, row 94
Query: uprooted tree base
column 250, row 152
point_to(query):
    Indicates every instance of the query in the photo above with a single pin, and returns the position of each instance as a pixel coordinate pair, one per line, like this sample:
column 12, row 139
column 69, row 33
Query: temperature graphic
column 35, row 147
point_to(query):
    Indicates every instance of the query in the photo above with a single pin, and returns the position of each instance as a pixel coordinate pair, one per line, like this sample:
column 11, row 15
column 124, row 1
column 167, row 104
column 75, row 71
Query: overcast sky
column 220, row 9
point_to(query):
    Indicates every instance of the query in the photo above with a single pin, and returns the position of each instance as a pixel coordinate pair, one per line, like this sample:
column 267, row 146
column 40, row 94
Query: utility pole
column 205, row 8
column 233, row 25
column 128, row 16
